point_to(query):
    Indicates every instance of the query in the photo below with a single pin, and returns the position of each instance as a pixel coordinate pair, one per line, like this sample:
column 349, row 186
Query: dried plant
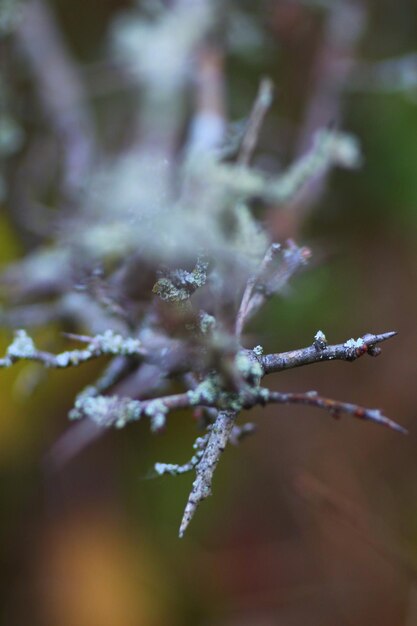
column 156, row 257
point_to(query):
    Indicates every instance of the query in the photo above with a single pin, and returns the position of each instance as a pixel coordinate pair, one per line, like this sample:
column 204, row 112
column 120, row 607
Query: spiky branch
column 186, row 228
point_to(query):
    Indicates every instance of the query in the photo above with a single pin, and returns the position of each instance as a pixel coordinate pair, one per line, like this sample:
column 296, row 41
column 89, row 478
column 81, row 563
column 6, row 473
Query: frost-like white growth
column 63, row 359
column 354, row 344
column 207, row 391
column 320, row 336
column 22, row 346
column 106, row 410
column 157, row 411
column 166, row 468
column 113, row 343
column 173, row 469
column 320, row 340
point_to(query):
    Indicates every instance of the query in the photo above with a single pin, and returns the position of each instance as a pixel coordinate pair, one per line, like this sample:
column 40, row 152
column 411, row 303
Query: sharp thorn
column 385, row 336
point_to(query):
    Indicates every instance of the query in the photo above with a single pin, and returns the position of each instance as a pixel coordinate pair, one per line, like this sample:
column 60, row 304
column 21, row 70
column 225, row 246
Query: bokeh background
column 313, row 521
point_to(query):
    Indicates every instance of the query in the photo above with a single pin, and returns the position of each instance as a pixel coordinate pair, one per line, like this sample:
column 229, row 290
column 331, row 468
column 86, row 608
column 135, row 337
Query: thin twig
column 348, row 351
column 260, row 108
column 271, row 278
column 334, row 407
column 247, row 295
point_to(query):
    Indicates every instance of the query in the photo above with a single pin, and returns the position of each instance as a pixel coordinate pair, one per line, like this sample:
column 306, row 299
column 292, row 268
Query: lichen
column 206, row 392
column 354, row 344
column 178, row 285
column 320, row 340
column 157, row 411
column 249, row 367
column 113, row 343
column 207, row 323
column 106, row 410
column 22, row 347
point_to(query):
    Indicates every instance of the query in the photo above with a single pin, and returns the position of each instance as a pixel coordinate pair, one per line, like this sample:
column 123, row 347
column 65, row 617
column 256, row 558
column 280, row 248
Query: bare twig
column 345, row 22
column 209, row 122
column 244, row 308
column 260, row 108
column 60, row 90
column 334, row 407
column 273, row 275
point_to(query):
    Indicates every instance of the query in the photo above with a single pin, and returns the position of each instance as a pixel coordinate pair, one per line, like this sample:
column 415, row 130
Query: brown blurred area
column 312, row 521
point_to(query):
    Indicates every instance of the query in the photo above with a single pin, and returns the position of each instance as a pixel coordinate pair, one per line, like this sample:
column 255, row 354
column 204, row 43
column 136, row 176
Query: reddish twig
column 334, row 407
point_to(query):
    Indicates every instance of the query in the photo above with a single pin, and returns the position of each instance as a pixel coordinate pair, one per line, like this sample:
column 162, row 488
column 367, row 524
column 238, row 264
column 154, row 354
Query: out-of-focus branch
column 60, row 91
column 398, row 74
column 276, row 269
column 343, row 26
column 23, row 349
column 209, row 120
column 260, row 108
column 329, row 148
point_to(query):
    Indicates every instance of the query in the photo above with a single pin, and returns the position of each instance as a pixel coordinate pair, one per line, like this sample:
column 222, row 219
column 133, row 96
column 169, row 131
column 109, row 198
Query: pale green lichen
column 157, row 411
column 22, row 347
column 229, row 401
column 106, row 410
column 249, row 367
column 354, row 344
column 206, row 392
column 329, row 148
column 180, row 284
column 174, row 469
column 263, row 394
column 207, row 323
column 320, row 340
column 320, row 336
column 113, row 343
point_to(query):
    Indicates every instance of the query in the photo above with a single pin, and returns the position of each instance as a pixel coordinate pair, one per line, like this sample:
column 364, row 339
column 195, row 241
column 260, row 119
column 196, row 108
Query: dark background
column 312, row 522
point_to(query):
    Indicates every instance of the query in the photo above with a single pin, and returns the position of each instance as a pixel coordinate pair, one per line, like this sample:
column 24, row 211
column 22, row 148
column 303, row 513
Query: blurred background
column 313, row 521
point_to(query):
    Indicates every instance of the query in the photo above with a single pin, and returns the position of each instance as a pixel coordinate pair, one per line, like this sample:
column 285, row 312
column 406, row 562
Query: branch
column 117, row 411
column 320, row 351
column 330, row 72
column 174, row 469
column 334, row 407
column 278, row 266
column 260, row 108
column 245, row 306
column 23, row 349
column 219, row 436
column 60, row 91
